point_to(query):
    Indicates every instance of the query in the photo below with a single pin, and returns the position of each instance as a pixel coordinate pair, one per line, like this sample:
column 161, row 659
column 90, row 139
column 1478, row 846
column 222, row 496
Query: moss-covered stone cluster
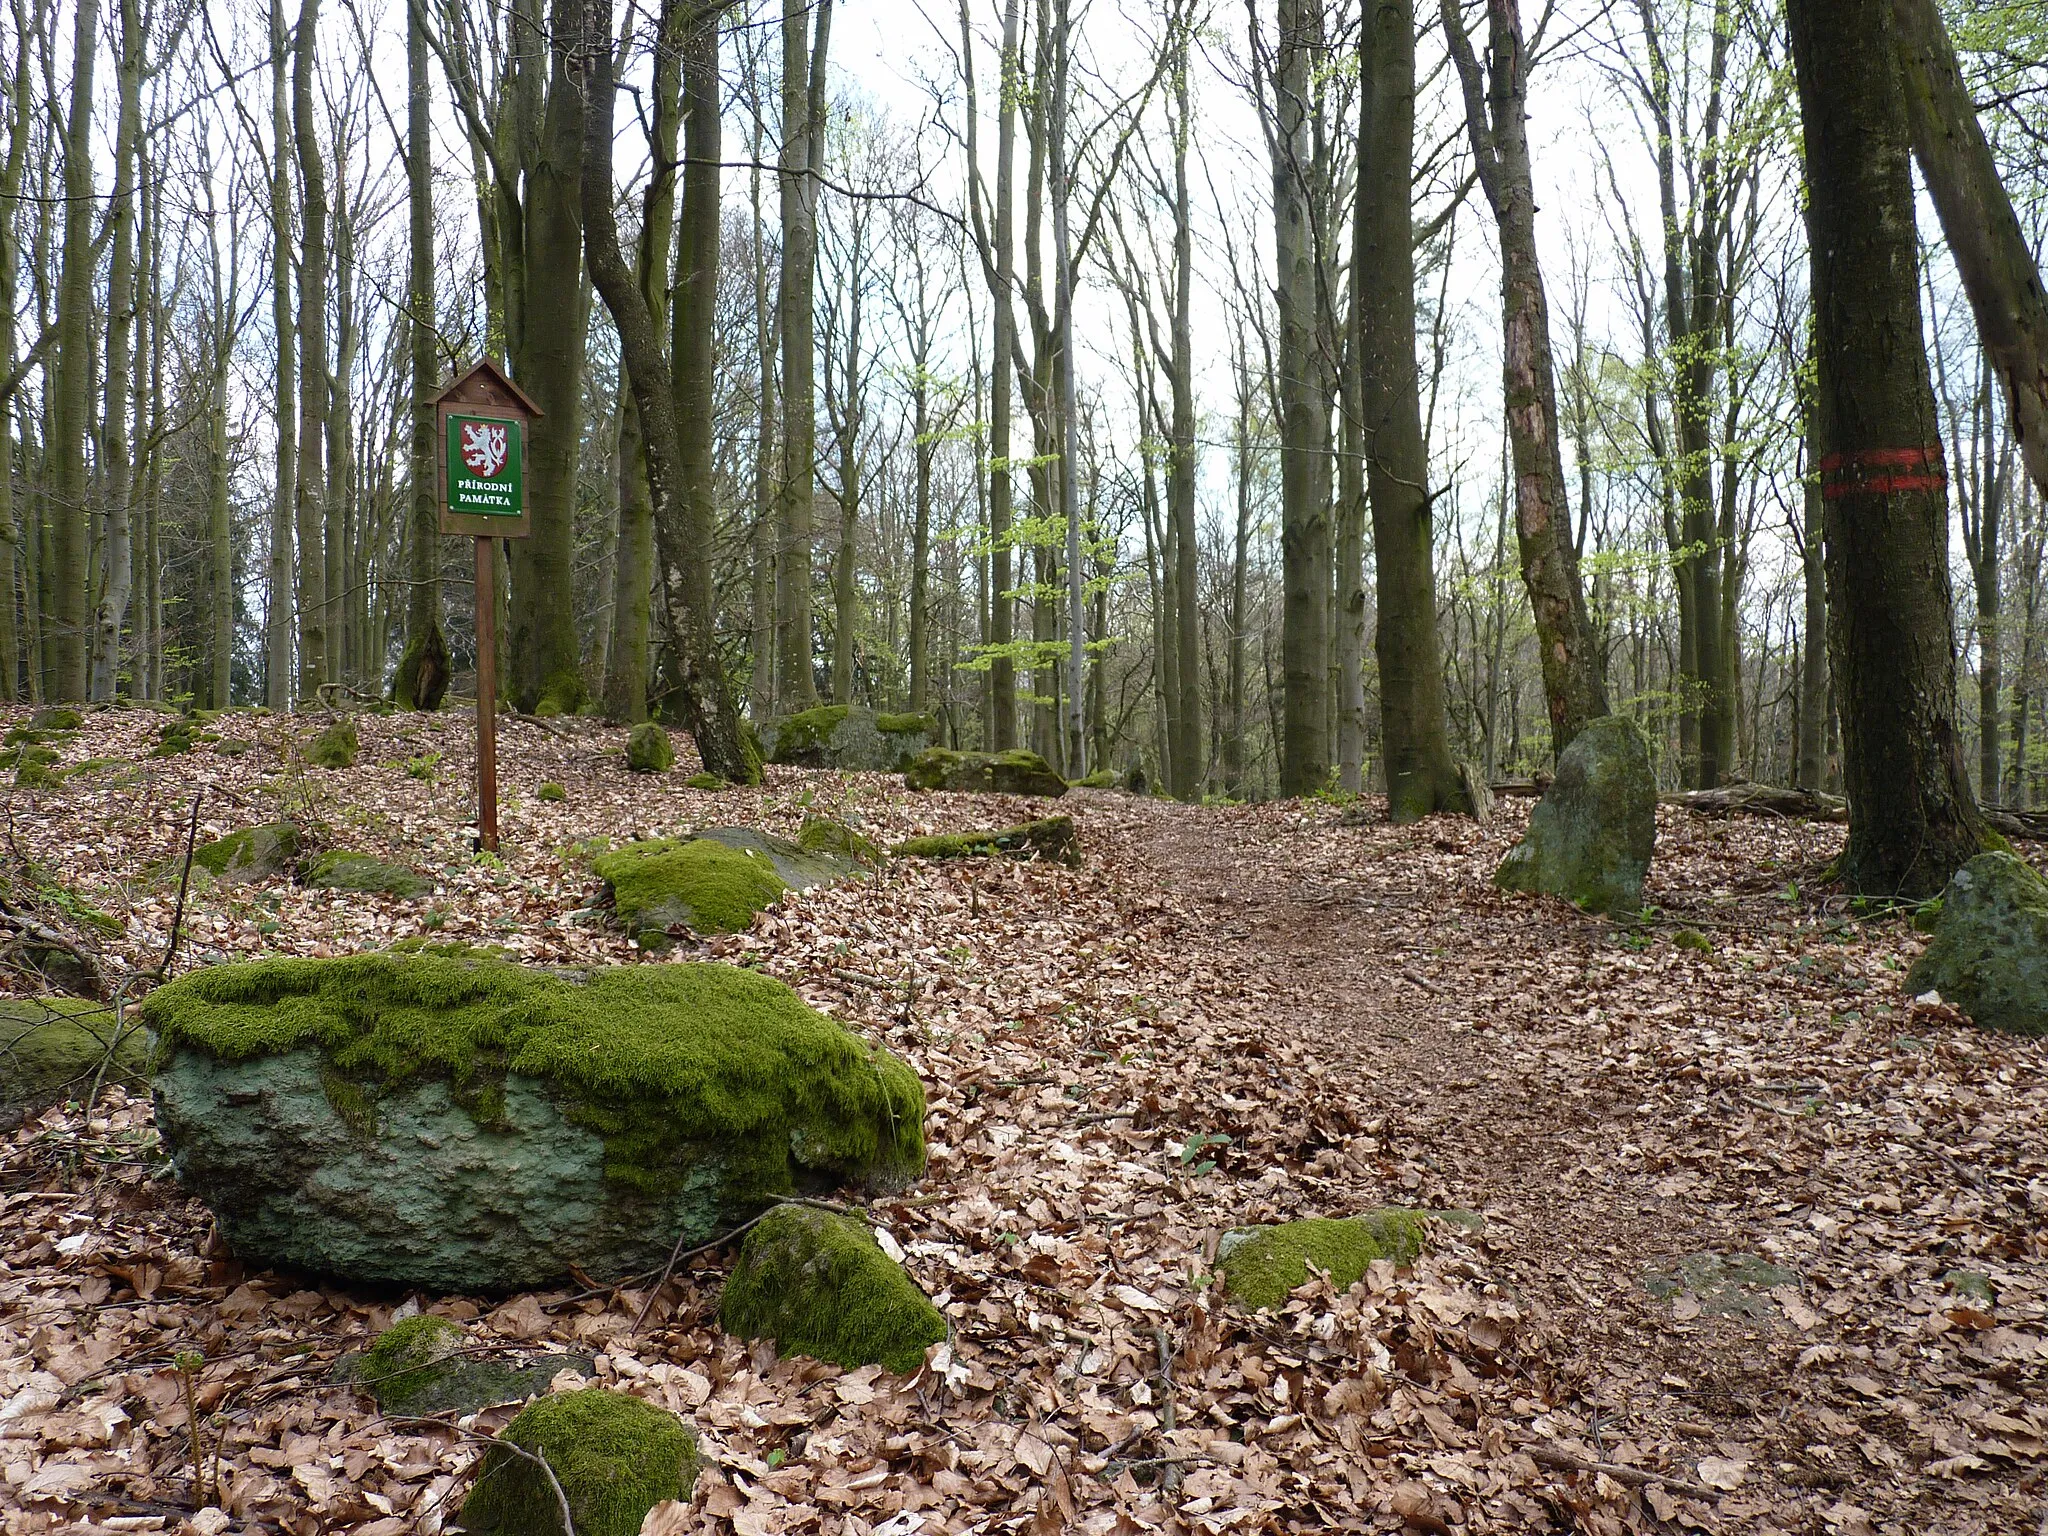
column 1260, row 1265
column 1000, row 773
column 1591, row 836
column 1052, row 839
column 823, row 834
column 335, row 747
column 849, row 737
column 818, row 1284
column 614, row 1457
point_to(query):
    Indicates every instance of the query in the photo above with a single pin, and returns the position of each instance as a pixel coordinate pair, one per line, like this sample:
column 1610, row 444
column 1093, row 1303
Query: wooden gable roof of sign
column 485, row 384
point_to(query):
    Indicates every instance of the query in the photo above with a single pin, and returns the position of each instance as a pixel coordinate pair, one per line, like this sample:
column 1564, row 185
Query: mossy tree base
column 818, row 1284
column 421, row 682
column 474, row 1125
column 614, row 1456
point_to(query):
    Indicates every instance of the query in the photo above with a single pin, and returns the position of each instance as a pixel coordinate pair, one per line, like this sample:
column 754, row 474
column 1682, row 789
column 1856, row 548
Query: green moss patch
column 551, row 794
column 1052, row 839
column 1262, row 1264
column 818, row 1284
column 335, row 747
column 1101, row 778
column 821, row 834
column 654, row 1058
column 699, row 883
column 340, row 870
column 907, row 725
column 706, row 781
column 648, row 749
column 254, row 853
column 56, row 717
column 22, row 735
column 421, row 1365
column 51, row 1047
column 808, row 731
column 614, row 1456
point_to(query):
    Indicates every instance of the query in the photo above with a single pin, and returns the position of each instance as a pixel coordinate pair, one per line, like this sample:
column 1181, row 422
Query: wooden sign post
column 482, row 420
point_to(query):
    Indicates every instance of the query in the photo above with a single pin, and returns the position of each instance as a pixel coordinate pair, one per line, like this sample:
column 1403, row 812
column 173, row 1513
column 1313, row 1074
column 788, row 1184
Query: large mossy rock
column 422, row 1365
column 1052, row 840
column 335, row 747
column 1001, row 773
column 818, row 1284
column 1591, row 835
column 1989, row 955
column 711, row 882
column 648, row 749
column 473, row 1125
column 53, row 1047
column 614, row 1457
column 1262, row 1264
column 340, row 870
column 254, row 853
column 846, row 736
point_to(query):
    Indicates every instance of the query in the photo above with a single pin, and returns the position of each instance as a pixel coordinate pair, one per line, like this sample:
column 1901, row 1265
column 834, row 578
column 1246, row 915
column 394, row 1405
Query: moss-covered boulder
column 254, row 853
column 712, row 882
column 52, row 1047
column 849, row 737
column 551, row 793
column 340, row 870
column 818, row 1284
column 56, row 717
column 999, row 773
column 424, row 1365
column 470, row 1125
column 1591, row 836
column 613, row 1456
column 706, row 781
column 1260, row 1265
column 1989, row 954
column 648, row 749
column 335, row 747
column 1052, row 839
column 823, row 834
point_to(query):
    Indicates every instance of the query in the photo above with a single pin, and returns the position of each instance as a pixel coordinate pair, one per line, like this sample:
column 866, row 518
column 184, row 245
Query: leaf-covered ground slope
column 1763, row 1247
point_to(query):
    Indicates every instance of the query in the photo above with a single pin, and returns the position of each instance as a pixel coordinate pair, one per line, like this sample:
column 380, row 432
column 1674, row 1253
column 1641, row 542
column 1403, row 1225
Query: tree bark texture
column 422, row 680
column 71, row 380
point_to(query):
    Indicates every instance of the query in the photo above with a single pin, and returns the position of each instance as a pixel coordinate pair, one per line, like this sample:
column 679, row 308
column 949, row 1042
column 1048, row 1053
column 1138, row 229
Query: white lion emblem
column 485, row 447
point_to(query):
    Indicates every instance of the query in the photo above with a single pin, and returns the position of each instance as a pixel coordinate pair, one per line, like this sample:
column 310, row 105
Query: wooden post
column 486, row 699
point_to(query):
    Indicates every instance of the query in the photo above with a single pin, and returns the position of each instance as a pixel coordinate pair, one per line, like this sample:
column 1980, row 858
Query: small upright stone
column 1591, row 835
column 818, row 1284
column 1989, row 956
column 648, row 749
column 335, row 747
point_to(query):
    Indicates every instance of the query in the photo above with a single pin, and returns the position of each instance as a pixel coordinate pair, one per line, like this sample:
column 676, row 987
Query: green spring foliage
column 821, row 834
column 340, row 870
column 335, row 747
column 615, row 1457
column 551, row 793
column 818, row 1284
column 648, row 749
column 50, row 1047
column 654, row 1058
column 699, row 882
column 1263, row 1265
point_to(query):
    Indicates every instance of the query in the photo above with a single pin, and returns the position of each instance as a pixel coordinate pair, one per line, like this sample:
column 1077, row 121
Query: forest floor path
column 1227, row 1016
column 1620, row 1105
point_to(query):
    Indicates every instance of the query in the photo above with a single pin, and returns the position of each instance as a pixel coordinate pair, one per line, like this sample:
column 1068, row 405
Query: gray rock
column 848, row 737
column 1591, row 836
column 479, row 1126
column 712, row 881
column 1724, row 1284
column 252, row 854
column 1989, row 955
column 423, row 1365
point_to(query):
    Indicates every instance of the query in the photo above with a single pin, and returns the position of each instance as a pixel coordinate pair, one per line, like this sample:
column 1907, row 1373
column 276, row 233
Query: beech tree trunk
column 1496, row 113
column 279, row 627
column 71, row 380
column 117, row 448
column 311, row 484
column 1912, row 821
column 422, row 679
column 1421, row 776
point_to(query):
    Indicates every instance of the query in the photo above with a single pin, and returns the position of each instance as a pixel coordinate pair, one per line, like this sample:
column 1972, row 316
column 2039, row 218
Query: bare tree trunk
column 280, row 628
column 117, row 448
column 422, row 678
column 1496, row 112
column 1912, row 819
column 10, row 269
column 761, row 688
column 1813, row 666
column 1421, row 776
column 312, row 329
column 1304, row 420
column 803, row 159
column 71, row 379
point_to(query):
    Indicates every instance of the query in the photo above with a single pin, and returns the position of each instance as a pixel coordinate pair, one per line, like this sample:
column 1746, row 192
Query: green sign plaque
column 486, row 466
